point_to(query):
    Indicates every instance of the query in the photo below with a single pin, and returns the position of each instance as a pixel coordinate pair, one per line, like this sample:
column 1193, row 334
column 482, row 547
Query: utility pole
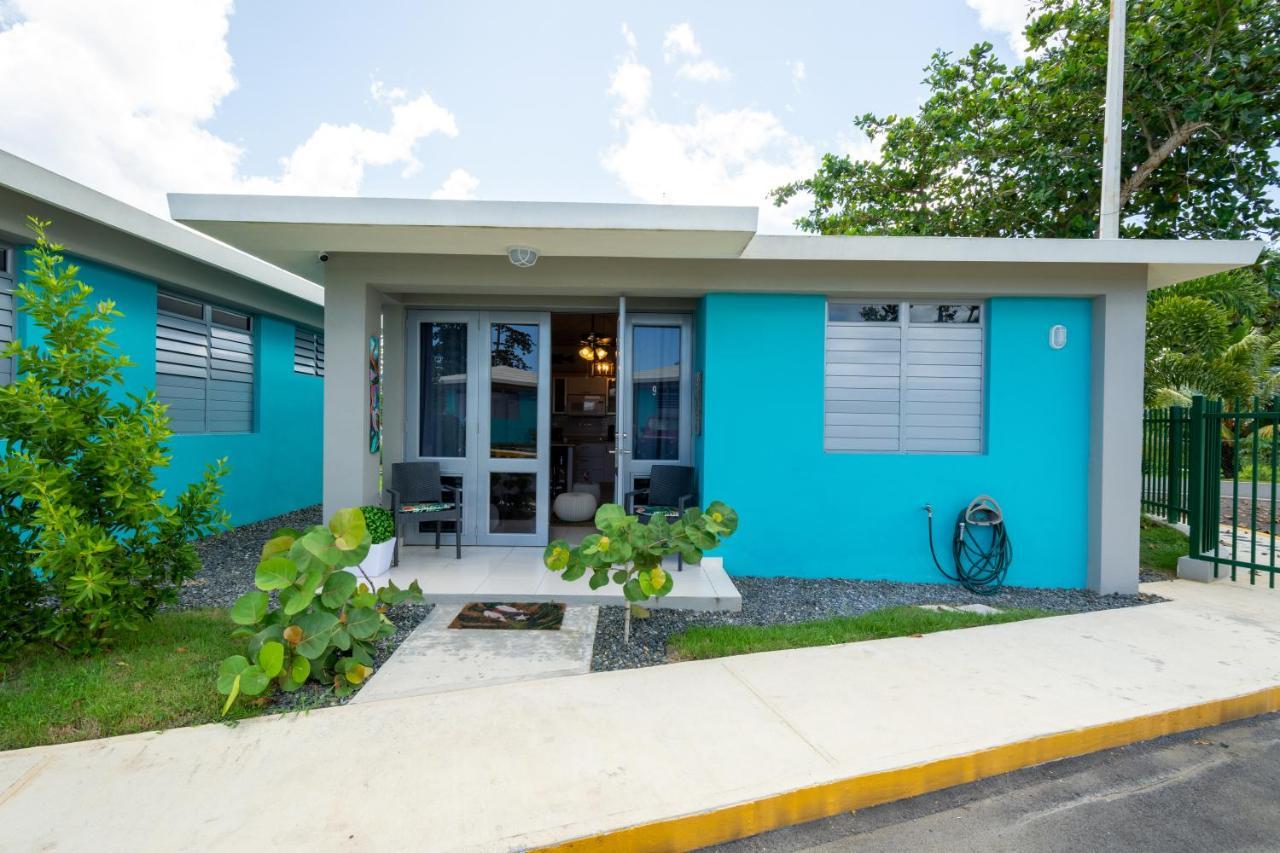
column 1112, row 126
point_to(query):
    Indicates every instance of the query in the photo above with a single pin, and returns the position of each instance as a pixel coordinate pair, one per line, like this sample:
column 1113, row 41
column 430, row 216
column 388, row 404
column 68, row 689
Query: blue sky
column 656, row 102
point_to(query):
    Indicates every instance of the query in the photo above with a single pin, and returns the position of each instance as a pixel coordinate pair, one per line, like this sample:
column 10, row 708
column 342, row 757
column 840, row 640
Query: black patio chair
column 417, row 494
column 671, row 491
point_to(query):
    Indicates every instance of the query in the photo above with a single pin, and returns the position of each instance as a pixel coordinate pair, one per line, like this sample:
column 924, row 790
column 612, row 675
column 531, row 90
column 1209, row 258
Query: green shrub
column 88, row 545
column 326, row 623
column 380, row 524
column 630, row 553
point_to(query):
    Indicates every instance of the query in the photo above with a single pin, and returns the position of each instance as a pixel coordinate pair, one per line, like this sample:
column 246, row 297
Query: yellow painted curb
column 689, row 832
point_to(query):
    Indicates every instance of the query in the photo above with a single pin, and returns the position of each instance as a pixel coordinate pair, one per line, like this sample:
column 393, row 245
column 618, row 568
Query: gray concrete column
column 352, row 315
column 1115, row 440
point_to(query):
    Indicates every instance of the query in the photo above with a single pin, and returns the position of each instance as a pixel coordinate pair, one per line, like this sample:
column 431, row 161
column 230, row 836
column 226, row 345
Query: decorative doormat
column 519, row 617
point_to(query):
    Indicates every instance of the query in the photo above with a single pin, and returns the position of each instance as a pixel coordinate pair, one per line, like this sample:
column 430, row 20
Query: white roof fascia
column 585, row 216
column 51, row 188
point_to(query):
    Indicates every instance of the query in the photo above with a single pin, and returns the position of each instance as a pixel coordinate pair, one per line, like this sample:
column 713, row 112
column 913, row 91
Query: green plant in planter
column 325, row 624
column 630, row 553
column 380, row 524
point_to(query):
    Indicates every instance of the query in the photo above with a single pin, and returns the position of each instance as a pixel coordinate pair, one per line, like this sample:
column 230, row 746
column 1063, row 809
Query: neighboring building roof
column 53, row 190
column 292, row 231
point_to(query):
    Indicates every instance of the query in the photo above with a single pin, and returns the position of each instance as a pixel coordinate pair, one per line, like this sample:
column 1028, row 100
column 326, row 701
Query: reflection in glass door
column 478, row 401
column 656, row 394
column 515, row 425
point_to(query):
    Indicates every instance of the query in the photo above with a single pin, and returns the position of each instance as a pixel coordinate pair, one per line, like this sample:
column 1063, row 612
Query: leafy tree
column 1000, row 150
column 88, row 546
column 1016, row 151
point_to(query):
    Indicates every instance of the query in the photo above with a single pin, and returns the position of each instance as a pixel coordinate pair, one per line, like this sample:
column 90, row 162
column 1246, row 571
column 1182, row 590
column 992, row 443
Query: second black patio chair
column 417, row 494
column 671, row 491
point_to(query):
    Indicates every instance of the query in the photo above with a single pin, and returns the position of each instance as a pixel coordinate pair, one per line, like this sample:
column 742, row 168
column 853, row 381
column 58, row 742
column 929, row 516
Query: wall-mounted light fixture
column 1057, row 337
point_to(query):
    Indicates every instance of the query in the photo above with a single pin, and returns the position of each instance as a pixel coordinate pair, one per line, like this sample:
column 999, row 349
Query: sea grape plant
column 381, row 525
column 325, row 623
column 630, row 553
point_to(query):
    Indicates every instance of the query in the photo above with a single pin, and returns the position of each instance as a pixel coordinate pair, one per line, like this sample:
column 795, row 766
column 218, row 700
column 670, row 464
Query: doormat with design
column 519, row 617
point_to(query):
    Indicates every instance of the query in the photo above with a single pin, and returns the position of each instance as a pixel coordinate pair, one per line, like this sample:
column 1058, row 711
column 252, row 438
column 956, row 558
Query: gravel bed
column 228, row 562
column 769, row 601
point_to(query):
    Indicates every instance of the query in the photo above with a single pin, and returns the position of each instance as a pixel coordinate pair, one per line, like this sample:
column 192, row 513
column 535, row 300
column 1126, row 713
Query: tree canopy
column 1016, row 150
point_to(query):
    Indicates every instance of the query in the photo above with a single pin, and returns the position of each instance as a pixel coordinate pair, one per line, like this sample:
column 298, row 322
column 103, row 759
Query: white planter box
column 378, row 561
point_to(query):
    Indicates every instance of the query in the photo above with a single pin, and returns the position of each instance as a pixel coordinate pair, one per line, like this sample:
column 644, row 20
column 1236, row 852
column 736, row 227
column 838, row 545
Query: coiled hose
column 981, row 547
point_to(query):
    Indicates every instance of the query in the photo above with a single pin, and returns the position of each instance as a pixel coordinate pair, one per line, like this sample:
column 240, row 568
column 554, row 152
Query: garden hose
column 981, row 546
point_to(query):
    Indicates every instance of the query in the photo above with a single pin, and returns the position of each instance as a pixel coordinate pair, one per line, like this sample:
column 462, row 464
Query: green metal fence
column 1215, row 466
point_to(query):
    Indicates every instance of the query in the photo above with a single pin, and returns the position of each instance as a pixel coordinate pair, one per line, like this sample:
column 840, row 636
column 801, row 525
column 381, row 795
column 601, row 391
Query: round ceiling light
column 522, row 256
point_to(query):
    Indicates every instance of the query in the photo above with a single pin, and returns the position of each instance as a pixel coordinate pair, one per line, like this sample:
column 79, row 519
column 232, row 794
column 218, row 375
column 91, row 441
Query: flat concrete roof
column 35, row 182
column 292, row 231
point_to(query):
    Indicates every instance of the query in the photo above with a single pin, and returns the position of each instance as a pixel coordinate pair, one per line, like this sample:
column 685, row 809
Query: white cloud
column 703, row 71
column 680, row 43
column 460, row 184
column 628, row 36
column 1004, row 16
column 718, row 157
column 116, row 95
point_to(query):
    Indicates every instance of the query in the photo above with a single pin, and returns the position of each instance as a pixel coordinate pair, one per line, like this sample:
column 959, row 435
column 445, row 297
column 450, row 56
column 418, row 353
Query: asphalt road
column 1215, row 789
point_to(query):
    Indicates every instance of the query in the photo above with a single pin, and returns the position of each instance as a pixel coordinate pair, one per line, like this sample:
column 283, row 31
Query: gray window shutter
column 308, row 352
column 204, row 374
column 8, row 324
column 863, row 379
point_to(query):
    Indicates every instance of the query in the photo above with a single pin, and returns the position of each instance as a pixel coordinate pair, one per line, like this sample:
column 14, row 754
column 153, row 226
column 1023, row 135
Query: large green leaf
column 229, row 670
column 348, row 528
column 275, row 573
column 599, row 578
column 362, row 623
column 556, row 555
column 253, row 680
column 250, row 608
column 318, row 631
column 298, row 601
column 299, row 668
column 631, row 589
column 609, row 515
column 338, row 588
column 271, row 658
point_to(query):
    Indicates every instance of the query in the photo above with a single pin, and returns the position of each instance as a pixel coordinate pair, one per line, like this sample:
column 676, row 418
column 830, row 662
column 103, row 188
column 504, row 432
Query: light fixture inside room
column 522, row 256
column 597, row 349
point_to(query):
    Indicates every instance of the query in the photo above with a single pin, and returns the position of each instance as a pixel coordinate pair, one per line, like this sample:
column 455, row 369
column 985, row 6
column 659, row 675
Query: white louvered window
column 204, row 366
column 904, row 377
column 308, row 352
column 8, row 320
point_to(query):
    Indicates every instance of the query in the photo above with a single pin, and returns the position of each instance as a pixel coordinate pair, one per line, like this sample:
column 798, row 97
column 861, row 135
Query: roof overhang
column 63, row 194
column 292, row 231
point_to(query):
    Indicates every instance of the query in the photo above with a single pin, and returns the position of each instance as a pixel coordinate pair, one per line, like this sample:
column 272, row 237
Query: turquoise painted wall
column 274, row 469
column 808, row 513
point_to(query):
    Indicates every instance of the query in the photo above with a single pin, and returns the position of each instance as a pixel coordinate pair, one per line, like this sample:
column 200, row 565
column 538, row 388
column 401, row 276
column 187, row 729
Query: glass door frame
column 486, row 463
column 629, row 467
column 476, row 466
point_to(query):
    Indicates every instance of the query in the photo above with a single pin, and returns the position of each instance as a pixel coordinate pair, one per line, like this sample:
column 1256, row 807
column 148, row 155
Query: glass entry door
column 655, row 399
column 478, row 401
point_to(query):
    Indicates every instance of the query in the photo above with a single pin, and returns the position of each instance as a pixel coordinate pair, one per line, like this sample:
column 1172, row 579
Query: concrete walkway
column 506, row 769
column 436, row 658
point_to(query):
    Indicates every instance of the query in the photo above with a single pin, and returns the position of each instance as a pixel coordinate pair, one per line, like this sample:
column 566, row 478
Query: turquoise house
column 829, row 388
column 234, row 345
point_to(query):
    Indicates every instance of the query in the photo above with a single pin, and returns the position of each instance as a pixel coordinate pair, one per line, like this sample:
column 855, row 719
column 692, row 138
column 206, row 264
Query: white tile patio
column 517, row 574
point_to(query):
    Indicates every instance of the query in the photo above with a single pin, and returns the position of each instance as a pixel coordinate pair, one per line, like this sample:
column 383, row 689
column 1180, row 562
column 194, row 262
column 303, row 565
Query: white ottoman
column 592, row 489
column 574, row 506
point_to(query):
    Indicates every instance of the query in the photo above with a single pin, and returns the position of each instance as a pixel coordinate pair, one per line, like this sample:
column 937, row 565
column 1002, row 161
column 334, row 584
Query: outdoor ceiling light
column 522, row 256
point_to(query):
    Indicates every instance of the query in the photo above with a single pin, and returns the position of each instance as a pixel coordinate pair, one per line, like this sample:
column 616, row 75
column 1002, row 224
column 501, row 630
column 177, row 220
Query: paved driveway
column 1208, row 790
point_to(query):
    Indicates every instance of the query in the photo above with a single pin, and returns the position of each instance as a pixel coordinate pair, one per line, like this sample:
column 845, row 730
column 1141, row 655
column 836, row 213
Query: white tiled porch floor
column 517, row 574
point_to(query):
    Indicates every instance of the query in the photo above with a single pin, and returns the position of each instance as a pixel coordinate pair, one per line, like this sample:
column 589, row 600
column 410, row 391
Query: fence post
column 1195, row 490
column 1173, row 469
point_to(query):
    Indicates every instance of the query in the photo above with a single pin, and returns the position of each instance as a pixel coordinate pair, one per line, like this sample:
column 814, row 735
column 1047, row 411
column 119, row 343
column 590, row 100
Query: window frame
column 904, row 324
column 250, row 328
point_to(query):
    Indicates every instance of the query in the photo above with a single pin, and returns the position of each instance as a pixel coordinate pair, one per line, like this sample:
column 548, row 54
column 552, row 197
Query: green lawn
column 1160, row 546
column 717, row 641
column 159, row 678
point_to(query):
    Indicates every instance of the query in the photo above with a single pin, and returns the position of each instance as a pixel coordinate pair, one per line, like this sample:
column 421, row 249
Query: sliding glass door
column 478, row 402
